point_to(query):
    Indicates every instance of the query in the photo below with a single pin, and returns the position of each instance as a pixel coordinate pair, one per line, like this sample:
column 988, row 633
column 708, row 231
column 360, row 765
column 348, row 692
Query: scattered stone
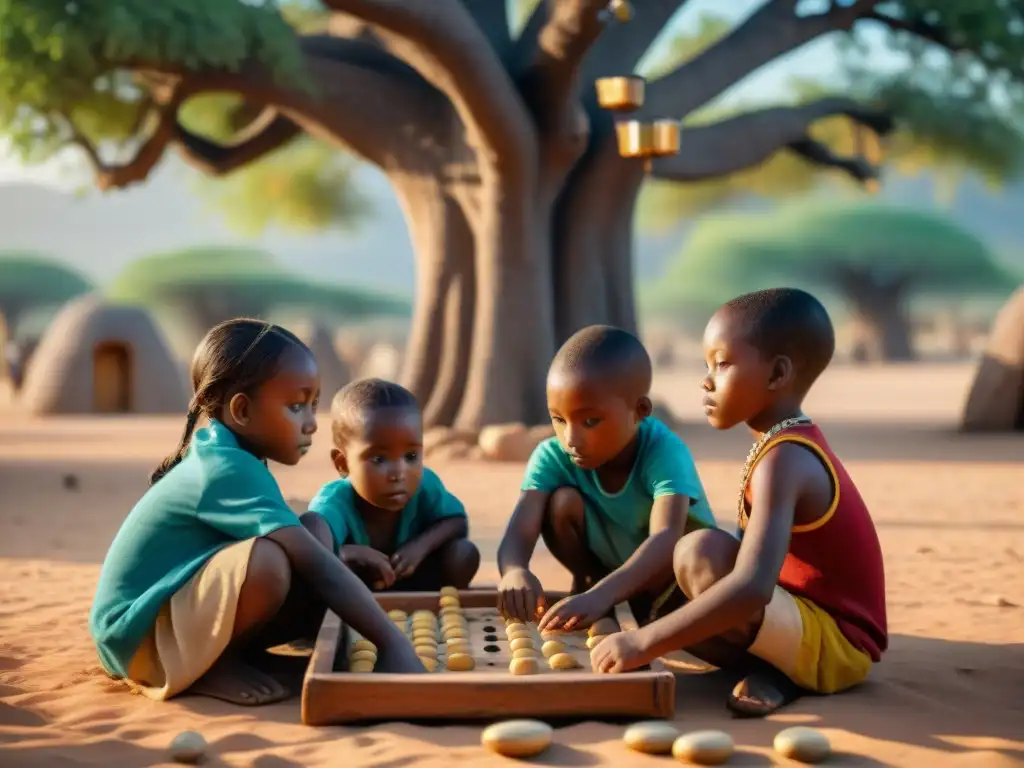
column 506, row 442
column 451, row 452
column 925, row 551
column 703, row 747
column 436, row 438
column 70, row 482
column 188, row 747
column 517, row 738
column 654, row 737
column 803, row 744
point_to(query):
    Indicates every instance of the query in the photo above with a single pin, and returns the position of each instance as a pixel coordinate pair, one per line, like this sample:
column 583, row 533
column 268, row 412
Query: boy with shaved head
column 611, row 494
column 796, row 602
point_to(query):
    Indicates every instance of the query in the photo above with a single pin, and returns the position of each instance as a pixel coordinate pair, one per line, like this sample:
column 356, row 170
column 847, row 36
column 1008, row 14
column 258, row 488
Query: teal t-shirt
column 431, row 503
column 219, row 494
column 618, row 523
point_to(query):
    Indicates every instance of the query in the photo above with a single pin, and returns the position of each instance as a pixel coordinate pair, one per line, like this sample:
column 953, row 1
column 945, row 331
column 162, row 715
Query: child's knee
column 565, row 508
column 463, row 554
column 702, row 558
column 268, row 577
column 316, row 525
column 460, row 561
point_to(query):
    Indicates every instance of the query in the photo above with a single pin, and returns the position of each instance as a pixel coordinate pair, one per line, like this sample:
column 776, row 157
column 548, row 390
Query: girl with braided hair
column 211, row 567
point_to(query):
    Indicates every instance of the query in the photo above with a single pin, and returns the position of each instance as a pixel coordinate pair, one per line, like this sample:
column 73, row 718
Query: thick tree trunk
column 521, row 216
column 513, row 330
column 879, row 307
column 593, row 274
column 437, row 357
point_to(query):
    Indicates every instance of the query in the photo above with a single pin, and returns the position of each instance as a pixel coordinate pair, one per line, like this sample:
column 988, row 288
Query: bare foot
column 762, row 693
column 234, row 681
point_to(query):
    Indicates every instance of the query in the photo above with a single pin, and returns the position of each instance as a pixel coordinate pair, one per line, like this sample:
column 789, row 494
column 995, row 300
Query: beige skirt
column 193, row 628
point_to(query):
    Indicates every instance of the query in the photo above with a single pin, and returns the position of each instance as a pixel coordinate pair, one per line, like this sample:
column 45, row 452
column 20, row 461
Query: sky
column 817, row 60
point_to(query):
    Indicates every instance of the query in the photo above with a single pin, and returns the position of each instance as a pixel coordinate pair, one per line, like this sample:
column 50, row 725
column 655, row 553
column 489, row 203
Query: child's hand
column 574, row 612
column 407, row 559
column 618, row 653
column 520, row 595
column 369, row 559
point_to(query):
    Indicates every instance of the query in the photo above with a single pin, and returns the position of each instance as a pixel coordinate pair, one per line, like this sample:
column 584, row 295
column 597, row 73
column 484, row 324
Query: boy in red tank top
column 797, row 601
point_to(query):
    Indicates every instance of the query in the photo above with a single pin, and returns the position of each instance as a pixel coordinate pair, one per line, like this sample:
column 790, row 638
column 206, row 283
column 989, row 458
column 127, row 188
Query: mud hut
column 97, row 358
column 334, row 372
column 996, row 399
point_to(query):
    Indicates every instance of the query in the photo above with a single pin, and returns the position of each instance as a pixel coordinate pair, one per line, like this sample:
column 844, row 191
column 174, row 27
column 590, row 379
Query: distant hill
column 101, row 233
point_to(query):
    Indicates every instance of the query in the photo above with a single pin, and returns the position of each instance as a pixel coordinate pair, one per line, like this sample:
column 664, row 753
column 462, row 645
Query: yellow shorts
column 193, row 628
column 803, row 641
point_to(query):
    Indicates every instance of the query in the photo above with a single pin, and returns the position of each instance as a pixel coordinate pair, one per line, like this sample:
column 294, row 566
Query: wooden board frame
column 330, row 697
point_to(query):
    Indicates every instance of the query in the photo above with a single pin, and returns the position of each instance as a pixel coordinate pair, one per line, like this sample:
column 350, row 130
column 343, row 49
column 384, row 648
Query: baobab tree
column 518, row 202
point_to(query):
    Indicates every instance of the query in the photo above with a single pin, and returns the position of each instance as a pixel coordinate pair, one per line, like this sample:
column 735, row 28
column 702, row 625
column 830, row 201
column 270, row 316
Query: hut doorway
column 112, row 378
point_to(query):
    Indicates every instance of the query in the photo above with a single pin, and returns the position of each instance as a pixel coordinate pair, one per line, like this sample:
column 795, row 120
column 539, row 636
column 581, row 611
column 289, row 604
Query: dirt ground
column 949, row 509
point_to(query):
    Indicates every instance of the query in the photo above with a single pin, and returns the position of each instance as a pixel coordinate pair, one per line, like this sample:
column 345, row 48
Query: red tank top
column 836, row 561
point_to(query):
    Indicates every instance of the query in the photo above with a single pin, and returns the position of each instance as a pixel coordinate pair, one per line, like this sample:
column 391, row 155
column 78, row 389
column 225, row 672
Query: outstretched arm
column 520, row 594
column 779, row 481
column 347, row 596
column 652, row 559
column 523, row 532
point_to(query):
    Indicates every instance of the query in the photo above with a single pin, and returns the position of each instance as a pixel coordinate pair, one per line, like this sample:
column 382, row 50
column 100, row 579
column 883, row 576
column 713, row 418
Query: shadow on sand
column 921, row 695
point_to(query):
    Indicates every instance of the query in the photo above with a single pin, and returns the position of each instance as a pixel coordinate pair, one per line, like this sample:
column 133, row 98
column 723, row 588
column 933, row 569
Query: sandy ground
column 949, row 509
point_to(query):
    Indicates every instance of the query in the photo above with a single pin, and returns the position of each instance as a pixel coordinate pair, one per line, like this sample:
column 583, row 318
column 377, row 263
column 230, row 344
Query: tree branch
column 940, row 36
column 120, row 175
column 917, row 28
column 771, row 31
column 365, row 101
column 745, row 141
column 268, row 132
column 550, row 80
column 621, row 47
column 444, row 44
column 526, row 43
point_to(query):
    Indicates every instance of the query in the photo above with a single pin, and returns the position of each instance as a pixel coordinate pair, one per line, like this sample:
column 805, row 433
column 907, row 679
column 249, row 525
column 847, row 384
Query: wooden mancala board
column 332, row 693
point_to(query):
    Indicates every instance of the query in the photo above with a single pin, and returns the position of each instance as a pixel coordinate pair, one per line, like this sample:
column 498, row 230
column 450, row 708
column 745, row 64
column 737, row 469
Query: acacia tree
column 519, row 205
column 205, row 286
column 29, row 282
column 876, row 259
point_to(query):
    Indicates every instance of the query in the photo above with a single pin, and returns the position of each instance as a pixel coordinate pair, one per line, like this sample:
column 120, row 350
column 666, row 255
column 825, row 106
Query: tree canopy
column 31, row 281
column 869, row 255
column 215, row 283
column 520, row 207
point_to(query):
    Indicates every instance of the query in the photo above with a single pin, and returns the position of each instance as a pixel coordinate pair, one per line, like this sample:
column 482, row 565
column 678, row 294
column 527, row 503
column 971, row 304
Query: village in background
column 445, row 213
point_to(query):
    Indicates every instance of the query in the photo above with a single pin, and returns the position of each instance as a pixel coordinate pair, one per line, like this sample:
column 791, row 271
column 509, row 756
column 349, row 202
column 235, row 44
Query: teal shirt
column 219, row 494
column 430, row 504
column 618, row 523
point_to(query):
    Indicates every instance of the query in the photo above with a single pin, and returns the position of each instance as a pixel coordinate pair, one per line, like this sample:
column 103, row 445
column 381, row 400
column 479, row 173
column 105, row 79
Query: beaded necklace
column 748, row 467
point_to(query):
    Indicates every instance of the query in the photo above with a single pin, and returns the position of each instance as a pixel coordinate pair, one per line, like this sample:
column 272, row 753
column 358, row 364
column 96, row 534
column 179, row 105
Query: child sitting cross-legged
column 796, row 602
column 610, row 494
column 390, row 518
column 212, row 567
